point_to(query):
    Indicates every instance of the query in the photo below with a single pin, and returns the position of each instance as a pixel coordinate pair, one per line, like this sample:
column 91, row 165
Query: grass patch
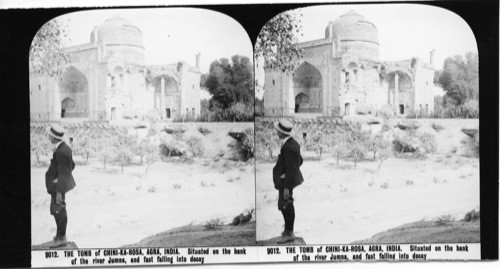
column 198, row 236
column 429, row 232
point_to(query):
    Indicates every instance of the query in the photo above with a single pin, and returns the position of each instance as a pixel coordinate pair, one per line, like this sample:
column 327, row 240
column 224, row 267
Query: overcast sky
column 404, row 30
column 172, row 34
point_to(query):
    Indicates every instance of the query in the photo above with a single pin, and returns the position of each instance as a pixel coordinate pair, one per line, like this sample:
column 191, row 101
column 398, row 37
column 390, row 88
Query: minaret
column 198, row 61
column 431, row 60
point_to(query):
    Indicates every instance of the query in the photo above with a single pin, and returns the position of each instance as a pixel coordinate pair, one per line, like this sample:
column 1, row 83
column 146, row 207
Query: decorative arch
column 74, row 94
column 307, row 85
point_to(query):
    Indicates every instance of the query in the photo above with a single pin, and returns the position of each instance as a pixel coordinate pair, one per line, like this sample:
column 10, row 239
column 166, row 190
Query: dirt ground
column 110, row 209
column 338, row 205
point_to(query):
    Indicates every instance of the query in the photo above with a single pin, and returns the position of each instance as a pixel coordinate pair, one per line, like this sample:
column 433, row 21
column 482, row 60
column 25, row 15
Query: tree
column 230, row 82
column 152, row 157
column 275, row 43
column 318, row 142
column 459, row 79
column 123, row 156
column 266, row 139
column 338, row 144
column 46, row 54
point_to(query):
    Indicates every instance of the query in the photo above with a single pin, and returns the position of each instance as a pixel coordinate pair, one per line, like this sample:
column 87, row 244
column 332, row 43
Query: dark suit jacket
column 60, row 167
column 289, row 162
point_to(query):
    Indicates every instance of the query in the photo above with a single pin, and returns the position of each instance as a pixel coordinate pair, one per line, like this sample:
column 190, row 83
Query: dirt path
column 344, row 205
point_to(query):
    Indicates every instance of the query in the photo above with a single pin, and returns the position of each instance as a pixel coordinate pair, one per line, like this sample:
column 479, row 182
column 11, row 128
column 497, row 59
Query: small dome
column 118, row 31
column 353, row 26
column 356, row 34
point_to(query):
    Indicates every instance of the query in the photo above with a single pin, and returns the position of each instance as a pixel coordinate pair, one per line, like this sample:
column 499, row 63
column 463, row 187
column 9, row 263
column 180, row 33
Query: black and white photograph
column 367, row 127
column 257, row 134
column 141, row 129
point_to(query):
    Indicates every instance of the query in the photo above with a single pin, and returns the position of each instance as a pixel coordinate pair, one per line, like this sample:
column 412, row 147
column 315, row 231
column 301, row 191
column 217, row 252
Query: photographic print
column 368, row 127
column 141, row 130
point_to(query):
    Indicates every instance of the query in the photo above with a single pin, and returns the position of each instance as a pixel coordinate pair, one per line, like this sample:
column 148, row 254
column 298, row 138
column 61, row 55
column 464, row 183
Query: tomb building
column 341, row 74
column 108, row 80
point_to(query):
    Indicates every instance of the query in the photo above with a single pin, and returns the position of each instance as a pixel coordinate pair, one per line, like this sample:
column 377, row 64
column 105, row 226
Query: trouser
column 288, row 212
column 60, row 215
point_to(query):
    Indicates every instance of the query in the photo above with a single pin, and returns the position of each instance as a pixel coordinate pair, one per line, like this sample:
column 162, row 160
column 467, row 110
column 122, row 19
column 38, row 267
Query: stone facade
column 341, row 74
column 108, row 80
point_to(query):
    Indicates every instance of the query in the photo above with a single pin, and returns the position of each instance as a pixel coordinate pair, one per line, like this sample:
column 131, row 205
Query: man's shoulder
column 63, row 148
column 292, row 143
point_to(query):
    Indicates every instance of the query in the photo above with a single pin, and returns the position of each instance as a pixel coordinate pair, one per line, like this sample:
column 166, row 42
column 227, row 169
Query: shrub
column 248, row 143
column 213, row 224
column 195, row 146
column 176, row 186
column 444, row 220
column 472, row 216
column 173, row 147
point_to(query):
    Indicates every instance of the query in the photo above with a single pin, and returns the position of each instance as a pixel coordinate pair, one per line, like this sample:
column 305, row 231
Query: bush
column 195, row 146
column 472, row 216
column 444, row 220
column 213, row 224
column 173, row 147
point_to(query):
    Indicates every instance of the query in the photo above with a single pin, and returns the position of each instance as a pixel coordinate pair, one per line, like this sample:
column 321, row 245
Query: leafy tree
column 230, row 82
column 384, row 151
column 40, row 146
column 46, row 54
column 152, row 157
column 318, row 142
column 123, row 156
column 338, row 144
column 356, row 145
column 107, row 149
column 459, row 78
column 275, row 43
column 85, row 146
column 266, row 139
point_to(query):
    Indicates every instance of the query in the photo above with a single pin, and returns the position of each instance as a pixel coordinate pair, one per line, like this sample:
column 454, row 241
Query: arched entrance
column 67, row 106
column 307, row 89
column 74, row 94
column 300, row 99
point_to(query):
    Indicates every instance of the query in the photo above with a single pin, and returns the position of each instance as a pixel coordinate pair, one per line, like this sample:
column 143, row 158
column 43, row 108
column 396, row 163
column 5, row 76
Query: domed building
column 108, row 80
column 342, row 74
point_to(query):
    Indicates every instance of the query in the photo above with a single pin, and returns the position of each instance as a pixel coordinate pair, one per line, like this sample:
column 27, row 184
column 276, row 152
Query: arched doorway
column 307, row 89
column 67, row 106
column 300, row 100
column 74, row 94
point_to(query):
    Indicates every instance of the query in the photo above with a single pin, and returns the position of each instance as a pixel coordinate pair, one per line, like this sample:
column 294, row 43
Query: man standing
column 287, row 176
column 59, row 180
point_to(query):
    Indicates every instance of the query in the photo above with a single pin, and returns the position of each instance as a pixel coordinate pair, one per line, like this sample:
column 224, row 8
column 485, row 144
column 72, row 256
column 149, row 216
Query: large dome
column 357, row 35
column 118, row 31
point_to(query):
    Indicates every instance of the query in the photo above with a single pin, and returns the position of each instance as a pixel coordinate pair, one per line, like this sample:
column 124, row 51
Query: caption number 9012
column 271, row 251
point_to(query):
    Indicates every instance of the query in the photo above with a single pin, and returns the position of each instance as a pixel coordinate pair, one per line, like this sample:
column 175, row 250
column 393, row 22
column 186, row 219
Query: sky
column 404, row 30
column 171, row 34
